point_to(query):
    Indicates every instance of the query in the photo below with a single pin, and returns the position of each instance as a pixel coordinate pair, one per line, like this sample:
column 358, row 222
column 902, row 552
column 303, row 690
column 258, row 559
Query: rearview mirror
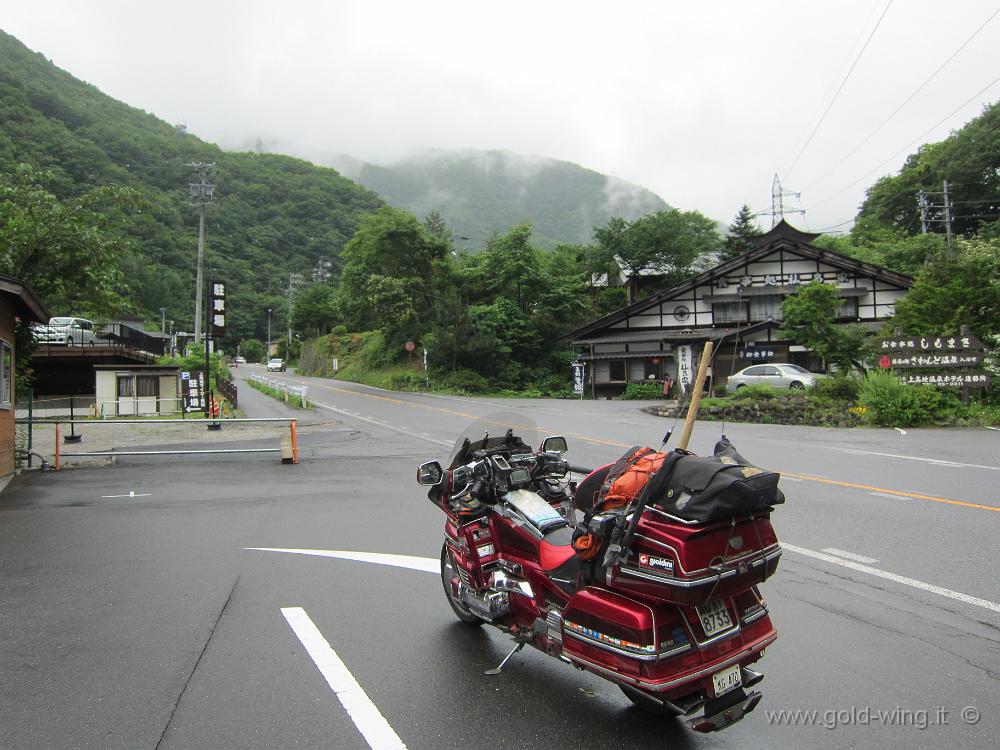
column 430, row 473
column 554, row 444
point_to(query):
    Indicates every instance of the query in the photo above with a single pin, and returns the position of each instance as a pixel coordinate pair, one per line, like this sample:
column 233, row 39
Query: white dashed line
column 958, row 596
column 365, row 714
column 431, row 565
column 850, row 555
column 132, row 493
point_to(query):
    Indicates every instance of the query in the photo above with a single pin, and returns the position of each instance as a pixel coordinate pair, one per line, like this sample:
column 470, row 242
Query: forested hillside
column 273, row 214
column 482, row 193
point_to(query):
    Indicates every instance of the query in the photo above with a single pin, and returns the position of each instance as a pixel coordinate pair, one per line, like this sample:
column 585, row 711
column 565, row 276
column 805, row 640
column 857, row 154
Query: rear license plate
column 714, row 617
column 727, row 680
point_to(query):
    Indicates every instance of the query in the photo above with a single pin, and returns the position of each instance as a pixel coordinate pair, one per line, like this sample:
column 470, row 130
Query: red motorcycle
column 648, row 594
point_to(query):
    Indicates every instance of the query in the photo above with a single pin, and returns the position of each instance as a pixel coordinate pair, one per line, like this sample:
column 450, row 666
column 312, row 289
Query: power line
column 915, row 140
column 839, row 89
column 906, row 101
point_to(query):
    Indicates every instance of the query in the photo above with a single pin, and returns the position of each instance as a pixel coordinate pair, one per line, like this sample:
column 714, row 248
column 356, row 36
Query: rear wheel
column 447, row 573
column 796, row 386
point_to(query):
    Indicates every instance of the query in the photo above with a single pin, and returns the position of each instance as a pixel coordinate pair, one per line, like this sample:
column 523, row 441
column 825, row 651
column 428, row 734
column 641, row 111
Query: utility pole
column 947, row 215
column 922, row 203
column 163, row 320
column 267, row 353
column 202, row 196
column 294, row 280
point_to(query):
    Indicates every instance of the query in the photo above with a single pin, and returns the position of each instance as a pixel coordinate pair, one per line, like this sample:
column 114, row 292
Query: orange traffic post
column 295, row 442
column 57, row 446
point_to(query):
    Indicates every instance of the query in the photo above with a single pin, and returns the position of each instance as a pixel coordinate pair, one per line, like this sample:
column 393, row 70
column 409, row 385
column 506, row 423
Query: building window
column 6, row 376
column 765, row 308
column 848, row 309
column 729, row 312
column 147, row 386
column 616, row 369
column 126, row 386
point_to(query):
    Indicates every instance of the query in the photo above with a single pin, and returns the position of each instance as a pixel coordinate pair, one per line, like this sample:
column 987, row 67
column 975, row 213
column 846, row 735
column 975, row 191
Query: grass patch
column 292, row 399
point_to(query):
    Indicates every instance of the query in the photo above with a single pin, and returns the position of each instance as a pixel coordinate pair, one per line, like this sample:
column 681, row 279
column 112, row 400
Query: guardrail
column 286, row 388
column 293, row 446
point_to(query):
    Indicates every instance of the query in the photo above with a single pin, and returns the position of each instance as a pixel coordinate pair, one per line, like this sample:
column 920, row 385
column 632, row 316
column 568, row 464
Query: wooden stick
column 699, row 382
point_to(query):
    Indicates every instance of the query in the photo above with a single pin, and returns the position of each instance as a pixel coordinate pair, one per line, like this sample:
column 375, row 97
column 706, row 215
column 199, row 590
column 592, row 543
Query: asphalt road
column 136, row 612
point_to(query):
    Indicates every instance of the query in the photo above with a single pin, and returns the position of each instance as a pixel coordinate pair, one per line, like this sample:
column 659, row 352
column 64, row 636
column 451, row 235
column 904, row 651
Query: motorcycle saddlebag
column 703, row 489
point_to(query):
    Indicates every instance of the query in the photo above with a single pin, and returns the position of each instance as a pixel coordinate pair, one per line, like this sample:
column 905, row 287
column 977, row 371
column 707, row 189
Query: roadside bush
column 339, row 330
column 890, row 403
column 409, row 381
column 756, row 393
column 643, row 391
column 836, row 388
column 374, row 352
column 719, row 390
column 463, row 381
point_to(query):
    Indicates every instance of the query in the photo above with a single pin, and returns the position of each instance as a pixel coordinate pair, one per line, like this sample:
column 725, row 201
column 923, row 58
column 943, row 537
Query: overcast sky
column 700, row 102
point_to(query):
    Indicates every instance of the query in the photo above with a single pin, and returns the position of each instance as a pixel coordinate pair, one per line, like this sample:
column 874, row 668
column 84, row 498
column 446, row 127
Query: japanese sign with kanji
column 945, row 380
column 930, row 343
column 756, row 354
column 193, row 391
column 959, row 359
column 216, row 309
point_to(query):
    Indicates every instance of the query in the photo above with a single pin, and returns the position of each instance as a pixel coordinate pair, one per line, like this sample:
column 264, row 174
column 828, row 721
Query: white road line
column 849, row 555
column 900, row 430
column 365, row 714
column 791, row 479
column 425, row 564
column 888, row 495
column 431, row 565
column 992, row 428
column 936, row 461
column 383, row 424
column 132, row 493
column 958, row 596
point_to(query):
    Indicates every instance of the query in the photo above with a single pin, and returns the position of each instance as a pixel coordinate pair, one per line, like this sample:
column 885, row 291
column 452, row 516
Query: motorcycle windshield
column 491, row 431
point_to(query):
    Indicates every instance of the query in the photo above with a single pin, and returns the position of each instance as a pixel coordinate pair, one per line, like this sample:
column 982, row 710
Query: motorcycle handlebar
column 579, row 469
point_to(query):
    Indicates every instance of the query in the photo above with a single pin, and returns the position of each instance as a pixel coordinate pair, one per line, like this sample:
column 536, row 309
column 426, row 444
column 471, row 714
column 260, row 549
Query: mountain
column 273, row 214
column 479, row 193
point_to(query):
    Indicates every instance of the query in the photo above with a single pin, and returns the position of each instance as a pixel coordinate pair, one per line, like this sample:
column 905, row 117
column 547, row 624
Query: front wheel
column 447, row 573
column 796, row 386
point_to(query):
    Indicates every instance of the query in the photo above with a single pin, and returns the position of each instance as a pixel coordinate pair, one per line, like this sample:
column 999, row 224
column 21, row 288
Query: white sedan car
column 276, row 365
column 775, row 376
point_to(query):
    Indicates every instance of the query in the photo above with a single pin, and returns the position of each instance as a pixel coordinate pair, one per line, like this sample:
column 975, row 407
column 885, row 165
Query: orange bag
column 622, row 489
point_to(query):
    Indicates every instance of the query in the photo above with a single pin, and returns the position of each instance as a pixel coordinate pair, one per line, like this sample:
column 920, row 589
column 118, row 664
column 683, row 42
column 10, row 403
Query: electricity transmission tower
column 202, row 195
column 778, row 210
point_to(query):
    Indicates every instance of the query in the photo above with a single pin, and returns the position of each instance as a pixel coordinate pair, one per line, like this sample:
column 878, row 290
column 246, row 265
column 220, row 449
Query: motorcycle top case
column 723, row 486
column 689, row 565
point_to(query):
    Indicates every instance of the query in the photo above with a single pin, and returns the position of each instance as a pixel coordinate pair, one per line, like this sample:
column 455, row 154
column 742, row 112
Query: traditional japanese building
column 737, row 305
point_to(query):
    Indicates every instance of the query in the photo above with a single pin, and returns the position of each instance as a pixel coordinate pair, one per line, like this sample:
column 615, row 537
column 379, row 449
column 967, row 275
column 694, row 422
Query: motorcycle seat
column 588, row 489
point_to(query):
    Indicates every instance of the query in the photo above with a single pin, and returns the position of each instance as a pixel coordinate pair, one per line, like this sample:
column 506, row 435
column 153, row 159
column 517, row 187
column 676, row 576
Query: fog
column 701, row 103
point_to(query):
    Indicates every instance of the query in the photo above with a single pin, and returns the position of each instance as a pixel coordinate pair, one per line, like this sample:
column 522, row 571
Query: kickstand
column 496, row 670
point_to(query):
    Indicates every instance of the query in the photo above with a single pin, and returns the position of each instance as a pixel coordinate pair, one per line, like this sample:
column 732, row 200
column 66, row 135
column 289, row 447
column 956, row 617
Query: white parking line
column 958, row 596
column 849, row 555
column 365, row 714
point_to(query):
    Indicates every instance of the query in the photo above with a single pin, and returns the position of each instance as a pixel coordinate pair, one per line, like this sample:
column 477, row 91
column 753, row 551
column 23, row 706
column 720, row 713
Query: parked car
column 65, row 330
column 773, row 375
column 238, row 361
column 276, row 365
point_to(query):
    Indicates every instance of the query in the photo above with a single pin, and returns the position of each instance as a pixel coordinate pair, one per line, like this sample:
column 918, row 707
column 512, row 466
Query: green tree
column 437, row 227
column 741, row 234
column 957, row 287
column 809, row 318
column 252, row 350
column 669, row 243
column 315, row 310
column 388, row 280
column 68, row 251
